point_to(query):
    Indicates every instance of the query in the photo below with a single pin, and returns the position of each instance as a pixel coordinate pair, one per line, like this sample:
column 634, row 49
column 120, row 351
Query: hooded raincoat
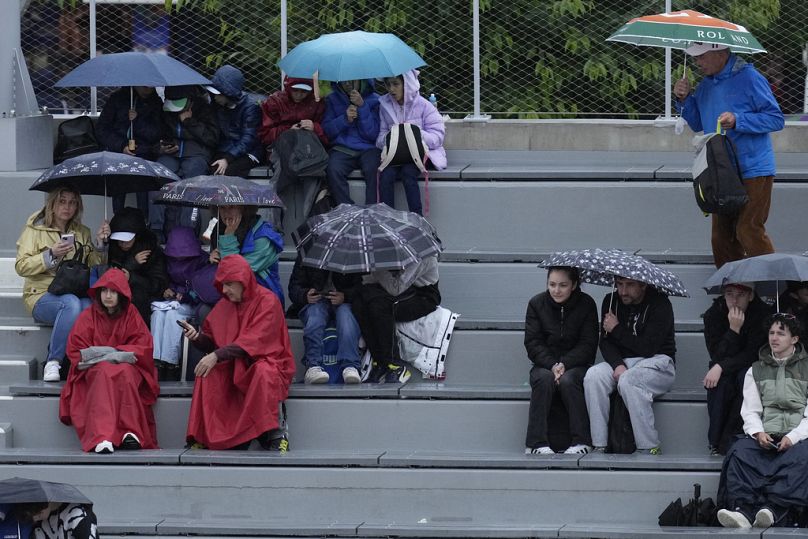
column 239, row 398
column 108, row 400
column 280, row 112
column 239, row 122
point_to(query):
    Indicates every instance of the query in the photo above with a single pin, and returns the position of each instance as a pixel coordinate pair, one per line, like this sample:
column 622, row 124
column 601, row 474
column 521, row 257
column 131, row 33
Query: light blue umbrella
column 351, row 56
column 132, row 69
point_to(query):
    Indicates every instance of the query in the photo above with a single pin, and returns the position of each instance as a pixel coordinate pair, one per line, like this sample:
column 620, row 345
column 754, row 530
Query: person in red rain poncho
column 248, row 365
column 110, row 404
column 294, row 107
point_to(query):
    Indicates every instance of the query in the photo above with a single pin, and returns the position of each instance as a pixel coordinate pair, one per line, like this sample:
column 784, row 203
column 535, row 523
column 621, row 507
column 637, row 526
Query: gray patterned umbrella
column 360, row 239
column 599, row 266
column 206, row 191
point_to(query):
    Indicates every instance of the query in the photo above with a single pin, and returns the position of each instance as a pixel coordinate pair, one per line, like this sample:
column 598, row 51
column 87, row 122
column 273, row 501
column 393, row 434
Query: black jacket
column 148, row 281
column 566, row 333
column 304, row 278
column 113, row 123
column 644, row 330
column 197, row 136
column 733, row 351
column 790, row 304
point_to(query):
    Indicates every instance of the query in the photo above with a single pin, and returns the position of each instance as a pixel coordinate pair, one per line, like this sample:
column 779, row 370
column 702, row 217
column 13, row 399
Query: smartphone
column 324, row 292
column 773, row 446
column 69, row 238
column 184, row 325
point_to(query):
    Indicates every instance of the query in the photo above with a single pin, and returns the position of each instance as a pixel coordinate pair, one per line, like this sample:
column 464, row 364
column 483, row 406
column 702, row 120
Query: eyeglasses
column 784, row 316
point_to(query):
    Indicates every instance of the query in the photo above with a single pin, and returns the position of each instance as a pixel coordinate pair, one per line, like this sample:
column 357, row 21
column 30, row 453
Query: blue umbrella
column 132, row 69
column 351, row 56
column 219, row 191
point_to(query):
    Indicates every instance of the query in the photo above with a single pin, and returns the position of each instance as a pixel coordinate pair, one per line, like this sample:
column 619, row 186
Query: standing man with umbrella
column 735, row 95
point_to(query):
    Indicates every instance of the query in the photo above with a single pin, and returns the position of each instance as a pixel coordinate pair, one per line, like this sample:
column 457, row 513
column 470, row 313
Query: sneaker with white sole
column 764, row 518
column 350, row 375
column 130, row 441
column 579, row 449
column 51, row 373
column 543, row 450
column 733, row 519
column 104, row 447
column 316, row 375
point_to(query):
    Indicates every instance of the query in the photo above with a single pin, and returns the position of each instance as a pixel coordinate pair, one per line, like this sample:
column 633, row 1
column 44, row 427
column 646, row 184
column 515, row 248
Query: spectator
column 294, row 107
column 404, row 104
column 248, row 366
column 638, row 348
column 763, row 476
column 50, row 235
column 55, row 520
column 190, row 135
column 795, row 301
column 387, row 297
column 247, row 234
column 561, row 339
column 184, row 258
column 239, row 118
column 109, row 401
column 352, row 123
column 735, row 95
column 734, row 332
column 321, row 298
column 135, row 250
column 131, row 123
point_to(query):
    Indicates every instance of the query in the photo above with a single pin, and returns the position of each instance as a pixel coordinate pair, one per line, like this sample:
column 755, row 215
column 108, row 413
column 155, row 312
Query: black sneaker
column 130, row 442
column 274, row 440
column 395, row 374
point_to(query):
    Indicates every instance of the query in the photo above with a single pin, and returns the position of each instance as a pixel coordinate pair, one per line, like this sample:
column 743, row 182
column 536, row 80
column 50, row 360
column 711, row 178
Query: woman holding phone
column 50, row 236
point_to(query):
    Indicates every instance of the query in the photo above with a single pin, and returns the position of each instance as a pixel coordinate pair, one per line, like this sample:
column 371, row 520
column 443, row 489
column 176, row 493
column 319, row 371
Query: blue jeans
column 340, row 165
column 408, row 174
column 315, row 318
column 61, row 311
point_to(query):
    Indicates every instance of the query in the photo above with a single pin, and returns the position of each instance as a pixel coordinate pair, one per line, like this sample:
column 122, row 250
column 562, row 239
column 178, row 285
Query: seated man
column 352, row 124
column 638, row 347
column 248, row 366
column 734, row 332
column 321, row 297
column 795, row 301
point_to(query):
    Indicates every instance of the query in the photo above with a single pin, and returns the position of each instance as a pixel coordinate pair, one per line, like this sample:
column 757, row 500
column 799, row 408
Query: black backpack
column 297, row 153
column 621, row 435
column 717, row 179
column 75, row 137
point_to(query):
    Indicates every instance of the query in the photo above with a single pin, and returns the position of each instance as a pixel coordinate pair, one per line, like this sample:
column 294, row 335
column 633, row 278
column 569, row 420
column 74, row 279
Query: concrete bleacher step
column 14, row 369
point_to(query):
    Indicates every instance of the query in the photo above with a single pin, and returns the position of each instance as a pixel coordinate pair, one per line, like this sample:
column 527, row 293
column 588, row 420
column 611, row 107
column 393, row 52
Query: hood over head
column 228, row 81
column 182, row 243
column 412, row 86
column 114, row 279
column 235, row 268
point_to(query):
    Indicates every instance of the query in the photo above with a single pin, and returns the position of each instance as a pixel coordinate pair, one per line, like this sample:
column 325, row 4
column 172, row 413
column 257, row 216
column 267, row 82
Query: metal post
column 668, row 74
column 475, row 22
column 284, row 32
column 93, row 46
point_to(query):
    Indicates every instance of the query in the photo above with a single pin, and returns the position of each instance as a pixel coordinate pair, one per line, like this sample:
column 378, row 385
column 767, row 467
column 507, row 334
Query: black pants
column 724, row 410
column 571, row 390
column 240, row 166
column 377, row 313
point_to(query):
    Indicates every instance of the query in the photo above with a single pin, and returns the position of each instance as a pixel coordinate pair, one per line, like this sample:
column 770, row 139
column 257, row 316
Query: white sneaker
column 733, row 519
column 350, row 375
column 579, row 449
column 105, row 447
column 544, row 450
column 315, row 375
column 764, row 518
column 52, row 369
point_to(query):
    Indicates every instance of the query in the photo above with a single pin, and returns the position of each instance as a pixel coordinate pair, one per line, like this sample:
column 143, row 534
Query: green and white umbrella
column 680, row 29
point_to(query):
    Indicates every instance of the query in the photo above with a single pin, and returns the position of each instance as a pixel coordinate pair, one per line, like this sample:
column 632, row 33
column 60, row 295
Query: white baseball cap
column 697, row 49
column 122, row 236
column 302, row 86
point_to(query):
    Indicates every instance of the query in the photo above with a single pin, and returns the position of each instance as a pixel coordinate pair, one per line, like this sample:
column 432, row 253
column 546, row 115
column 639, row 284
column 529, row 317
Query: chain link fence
column 539, row 58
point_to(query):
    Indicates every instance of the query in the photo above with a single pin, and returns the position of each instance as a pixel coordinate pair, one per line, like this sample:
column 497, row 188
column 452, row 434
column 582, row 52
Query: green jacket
column 783, row 389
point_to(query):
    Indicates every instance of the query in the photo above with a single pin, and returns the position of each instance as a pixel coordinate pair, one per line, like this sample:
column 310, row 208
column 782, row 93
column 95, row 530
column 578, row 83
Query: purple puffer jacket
column 184, row 257
column 417, row 111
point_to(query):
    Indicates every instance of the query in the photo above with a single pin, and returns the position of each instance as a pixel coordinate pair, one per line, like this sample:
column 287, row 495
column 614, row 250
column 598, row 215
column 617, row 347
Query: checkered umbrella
column 598, row 266
column 360, row 239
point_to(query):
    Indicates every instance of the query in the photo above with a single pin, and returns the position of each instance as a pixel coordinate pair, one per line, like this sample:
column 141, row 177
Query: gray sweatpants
column 645, row 379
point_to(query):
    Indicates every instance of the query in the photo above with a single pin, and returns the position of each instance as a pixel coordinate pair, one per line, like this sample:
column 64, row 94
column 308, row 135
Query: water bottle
column 433, row 100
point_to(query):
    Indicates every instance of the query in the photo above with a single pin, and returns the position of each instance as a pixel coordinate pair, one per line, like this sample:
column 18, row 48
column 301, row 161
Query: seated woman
column 134, row 249
column 56, row 520
column 112, row 384
column 764, row 473
column 49, row 236
column 387, row 297
column 248, row 366
column 247, row 234
column 561, row 339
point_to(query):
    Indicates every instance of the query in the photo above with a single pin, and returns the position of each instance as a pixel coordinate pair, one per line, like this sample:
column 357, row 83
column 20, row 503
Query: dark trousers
column 571, row 390
column 377, row 313
column 340, row 165
column 408, row 174
column 744, row 235
column 240, row 166
column 724, row 410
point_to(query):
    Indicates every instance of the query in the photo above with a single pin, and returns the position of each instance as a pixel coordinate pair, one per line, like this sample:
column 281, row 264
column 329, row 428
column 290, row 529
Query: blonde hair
column 50, row 205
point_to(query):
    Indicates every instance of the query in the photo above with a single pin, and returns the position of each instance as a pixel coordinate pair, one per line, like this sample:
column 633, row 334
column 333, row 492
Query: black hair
column 785, row 321
column 24, row 512
column 249, row 218
column 572, row 273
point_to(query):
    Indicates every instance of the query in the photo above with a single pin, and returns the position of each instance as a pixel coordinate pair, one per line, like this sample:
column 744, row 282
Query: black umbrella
column 21, row 490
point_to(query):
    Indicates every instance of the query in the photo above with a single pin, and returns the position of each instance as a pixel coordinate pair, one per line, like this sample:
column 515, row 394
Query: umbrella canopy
column 203, row 191
column 105, row 173
column 360, row 239
column 351, row 56
column 132, row 69
column 21, row 490
column 767, row 269
column 679, row 29
column 599, row 266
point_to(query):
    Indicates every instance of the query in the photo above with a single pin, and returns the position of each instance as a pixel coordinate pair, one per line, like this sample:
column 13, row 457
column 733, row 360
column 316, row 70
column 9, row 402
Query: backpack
column 297, row 153
column 621, row 435
column 717, row 181
column 75, row 137
column 403, row 145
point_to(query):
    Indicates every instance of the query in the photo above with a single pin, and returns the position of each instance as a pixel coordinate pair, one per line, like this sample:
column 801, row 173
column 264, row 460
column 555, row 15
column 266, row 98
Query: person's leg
column 369, row 161
column 409, row 177
column 542, row 389
column 142, row 201
column 386, row 187
column 118, row 203
column 725, row 245
column 315, row 318
column 645, row 379
column 571, row 388
column 61, row 311
column 750, row 228
column 339, row 167
column 347, row 337
column 788, row 482
column 718, row 399
column 747, row 468
column 598, row 385
column 240, row 166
